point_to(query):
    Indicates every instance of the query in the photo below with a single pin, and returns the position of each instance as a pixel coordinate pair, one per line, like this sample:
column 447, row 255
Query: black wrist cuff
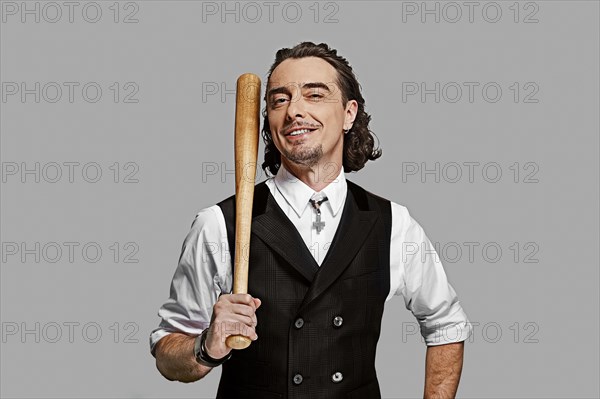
column 200, row 352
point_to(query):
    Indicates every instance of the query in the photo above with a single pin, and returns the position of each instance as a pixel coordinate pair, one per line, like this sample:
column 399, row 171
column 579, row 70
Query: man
column 325, row 256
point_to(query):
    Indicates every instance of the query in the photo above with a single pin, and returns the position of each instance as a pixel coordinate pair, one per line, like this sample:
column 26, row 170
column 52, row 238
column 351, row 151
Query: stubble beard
column 301, row 155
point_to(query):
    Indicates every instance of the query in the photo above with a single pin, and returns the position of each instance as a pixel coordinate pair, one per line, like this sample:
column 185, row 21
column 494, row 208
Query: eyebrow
column 309, row 85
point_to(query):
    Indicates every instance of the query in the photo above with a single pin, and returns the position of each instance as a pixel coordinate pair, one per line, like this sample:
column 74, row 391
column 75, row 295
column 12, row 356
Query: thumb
column 257, row 302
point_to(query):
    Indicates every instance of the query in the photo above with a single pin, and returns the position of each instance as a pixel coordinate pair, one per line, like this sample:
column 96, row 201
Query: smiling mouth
column 300, row 132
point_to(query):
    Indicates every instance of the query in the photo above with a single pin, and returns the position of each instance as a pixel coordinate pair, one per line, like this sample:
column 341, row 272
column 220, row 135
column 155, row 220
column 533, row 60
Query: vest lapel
column 354, row 228
column 275, row 229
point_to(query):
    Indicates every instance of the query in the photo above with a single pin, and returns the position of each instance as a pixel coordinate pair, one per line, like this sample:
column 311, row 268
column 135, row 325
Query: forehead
column 296, row 71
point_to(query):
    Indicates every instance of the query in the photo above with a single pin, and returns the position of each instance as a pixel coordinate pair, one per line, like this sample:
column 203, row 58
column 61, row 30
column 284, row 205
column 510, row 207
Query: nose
column 296, row 108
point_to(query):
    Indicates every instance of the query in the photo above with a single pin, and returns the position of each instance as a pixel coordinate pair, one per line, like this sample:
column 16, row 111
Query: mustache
column 296, row 124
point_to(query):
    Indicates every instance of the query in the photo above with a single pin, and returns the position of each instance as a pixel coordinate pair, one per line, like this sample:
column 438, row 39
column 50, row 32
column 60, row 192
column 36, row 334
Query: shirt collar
column 297, row 193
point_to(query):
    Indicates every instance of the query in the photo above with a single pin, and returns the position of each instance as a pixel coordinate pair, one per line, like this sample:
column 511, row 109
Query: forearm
column 175, row 359
column 443, row 367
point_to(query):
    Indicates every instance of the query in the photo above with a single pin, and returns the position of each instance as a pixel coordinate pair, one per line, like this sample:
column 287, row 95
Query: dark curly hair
column 358, row 142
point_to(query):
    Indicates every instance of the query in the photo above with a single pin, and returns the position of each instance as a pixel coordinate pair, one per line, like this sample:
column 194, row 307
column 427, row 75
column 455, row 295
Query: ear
column 351, row 111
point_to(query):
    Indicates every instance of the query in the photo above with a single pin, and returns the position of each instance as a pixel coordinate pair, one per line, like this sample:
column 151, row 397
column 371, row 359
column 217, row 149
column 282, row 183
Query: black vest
column 318, row 327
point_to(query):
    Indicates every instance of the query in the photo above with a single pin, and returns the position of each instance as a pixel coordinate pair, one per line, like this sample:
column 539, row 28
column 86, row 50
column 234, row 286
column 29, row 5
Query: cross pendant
column 318, row 224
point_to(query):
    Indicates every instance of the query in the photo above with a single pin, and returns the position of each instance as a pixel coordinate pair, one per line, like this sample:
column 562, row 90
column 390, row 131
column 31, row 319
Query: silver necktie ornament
column 316, row 204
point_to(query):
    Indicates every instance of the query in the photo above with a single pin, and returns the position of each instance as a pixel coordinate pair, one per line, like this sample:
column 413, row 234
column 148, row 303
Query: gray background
column 176, row 130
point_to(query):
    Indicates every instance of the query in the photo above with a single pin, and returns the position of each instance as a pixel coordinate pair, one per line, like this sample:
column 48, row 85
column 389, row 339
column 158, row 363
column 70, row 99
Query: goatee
column 305, row 156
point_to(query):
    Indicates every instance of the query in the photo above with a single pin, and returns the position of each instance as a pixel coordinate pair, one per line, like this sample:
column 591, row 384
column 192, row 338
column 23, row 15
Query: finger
column 240, row 328
column 245, row 299
column 232, row 319
column 242, row 309
column 226, row 301
column 254, row 320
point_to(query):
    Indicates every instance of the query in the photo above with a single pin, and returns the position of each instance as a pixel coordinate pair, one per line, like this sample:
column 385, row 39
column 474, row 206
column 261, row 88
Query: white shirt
column 416, row 273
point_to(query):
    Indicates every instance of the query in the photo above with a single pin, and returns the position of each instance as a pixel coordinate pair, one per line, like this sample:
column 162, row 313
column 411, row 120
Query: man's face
column 306, row 113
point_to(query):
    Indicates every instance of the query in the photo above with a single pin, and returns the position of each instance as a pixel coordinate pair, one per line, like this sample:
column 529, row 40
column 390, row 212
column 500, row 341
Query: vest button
column 338, row 321
column 299, row 323
column 337, row 377
column 298, row 379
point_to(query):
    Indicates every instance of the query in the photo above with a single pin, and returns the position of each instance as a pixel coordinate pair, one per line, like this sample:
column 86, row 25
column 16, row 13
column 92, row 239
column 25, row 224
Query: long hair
column 358, row 142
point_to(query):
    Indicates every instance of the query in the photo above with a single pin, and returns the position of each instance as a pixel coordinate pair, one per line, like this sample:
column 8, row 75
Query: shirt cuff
column 156, row 336
column 452, row 333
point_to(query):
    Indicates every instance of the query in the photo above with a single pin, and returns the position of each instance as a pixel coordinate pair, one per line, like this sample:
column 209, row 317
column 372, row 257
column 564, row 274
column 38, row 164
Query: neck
column 318, row 176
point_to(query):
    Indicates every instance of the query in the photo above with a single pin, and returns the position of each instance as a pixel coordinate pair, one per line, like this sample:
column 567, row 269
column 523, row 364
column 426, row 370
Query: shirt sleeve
column 418, row 275
column 202, row 274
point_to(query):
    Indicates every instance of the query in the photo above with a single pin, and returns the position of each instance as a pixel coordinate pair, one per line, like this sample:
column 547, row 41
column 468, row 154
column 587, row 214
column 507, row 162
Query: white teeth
column 301, row 131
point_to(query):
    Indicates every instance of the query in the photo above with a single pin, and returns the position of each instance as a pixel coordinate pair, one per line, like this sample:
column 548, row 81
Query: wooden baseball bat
column 247, row 123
